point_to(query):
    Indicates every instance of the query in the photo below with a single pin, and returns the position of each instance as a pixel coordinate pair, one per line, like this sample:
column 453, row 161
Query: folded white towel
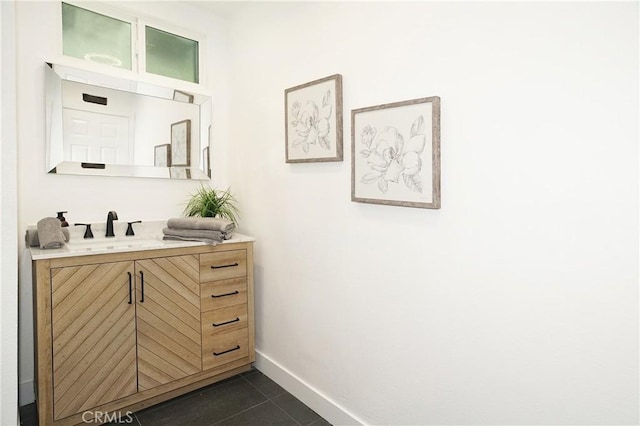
column 202, row 240
column 195, row 233
column 50, row 233
column 206, row 223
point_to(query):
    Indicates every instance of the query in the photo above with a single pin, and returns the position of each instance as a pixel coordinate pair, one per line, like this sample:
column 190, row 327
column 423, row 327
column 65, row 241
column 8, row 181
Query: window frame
column 142, row 43
column 102, row 9
column 138, row 24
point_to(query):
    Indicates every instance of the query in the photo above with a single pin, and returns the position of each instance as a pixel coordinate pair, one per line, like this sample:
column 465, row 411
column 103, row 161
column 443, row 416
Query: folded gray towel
column 195, row 233
column 50, row 233
column 202, row 240
column 207, row 223
column 31, row 237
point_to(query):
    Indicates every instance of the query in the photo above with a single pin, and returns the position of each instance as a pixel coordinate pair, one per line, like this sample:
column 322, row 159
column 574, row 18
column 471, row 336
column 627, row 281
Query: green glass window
column 95, row 37
column 171, row 55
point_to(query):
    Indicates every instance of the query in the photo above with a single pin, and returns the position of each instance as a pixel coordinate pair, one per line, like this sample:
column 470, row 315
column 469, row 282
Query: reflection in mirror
column 101, row 125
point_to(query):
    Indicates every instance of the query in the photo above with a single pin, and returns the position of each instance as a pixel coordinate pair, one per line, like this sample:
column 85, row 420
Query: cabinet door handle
column 130, row 288
column 226, row 294
column 226, row 322
column 141, row 287
column 227, row 351
column 225, row 266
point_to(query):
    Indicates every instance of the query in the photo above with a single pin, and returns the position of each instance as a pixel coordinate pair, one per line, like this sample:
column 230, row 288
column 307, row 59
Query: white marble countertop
column 148, row 237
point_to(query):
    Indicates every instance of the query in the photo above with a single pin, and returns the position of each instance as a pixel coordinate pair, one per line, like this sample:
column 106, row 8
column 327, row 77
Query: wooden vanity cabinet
column 117, row 333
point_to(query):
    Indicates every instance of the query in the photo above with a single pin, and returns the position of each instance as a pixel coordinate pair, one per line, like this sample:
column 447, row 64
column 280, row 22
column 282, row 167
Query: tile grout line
column 271, row 400
column 250, row 408
column 288, row 415
column 262, row 393
column 239, row 412
column 284, row 391
column 137, row 419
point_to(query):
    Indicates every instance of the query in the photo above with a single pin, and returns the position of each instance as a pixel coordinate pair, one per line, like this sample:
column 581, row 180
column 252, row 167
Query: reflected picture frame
column 181, row 96
column 181, row 143
column 162, row 155
column 206, row 162
column 179, row 173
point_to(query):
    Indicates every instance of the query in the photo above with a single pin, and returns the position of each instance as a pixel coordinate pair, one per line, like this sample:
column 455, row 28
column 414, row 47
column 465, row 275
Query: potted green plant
column 209, row 202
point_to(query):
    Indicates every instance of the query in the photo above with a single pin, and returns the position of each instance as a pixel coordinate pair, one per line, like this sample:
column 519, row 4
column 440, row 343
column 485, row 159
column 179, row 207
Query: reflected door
column 96, row 138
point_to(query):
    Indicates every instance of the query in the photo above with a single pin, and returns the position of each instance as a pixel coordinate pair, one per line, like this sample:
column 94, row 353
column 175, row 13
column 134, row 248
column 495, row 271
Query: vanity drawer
column 223, row 265
column 225, row 347
column 224, row 320
column 223, row 293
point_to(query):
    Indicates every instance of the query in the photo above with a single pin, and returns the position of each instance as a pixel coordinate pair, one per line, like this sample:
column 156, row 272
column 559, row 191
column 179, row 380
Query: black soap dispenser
column 62, row 219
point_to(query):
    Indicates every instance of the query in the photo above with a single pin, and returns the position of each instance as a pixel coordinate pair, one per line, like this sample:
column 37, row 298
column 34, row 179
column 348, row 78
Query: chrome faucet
column 111, row 216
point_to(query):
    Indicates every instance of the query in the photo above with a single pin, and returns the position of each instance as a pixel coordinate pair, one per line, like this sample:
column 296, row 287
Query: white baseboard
column 329, row 410
column 26, row 395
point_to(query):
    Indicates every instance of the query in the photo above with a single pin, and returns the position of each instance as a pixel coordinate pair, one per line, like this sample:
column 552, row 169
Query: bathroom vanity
column 121, row 326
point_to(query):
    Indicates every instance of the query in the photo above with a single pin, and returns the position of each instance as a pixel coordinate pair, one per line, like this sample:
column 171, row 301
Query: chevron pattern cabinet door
column 94, row 339
column 168, row 319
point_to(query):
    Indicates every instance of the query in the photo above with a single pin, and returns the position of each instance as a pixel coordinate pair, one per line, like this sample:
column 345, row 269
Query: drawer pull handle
column 226, row 322
column 227, row 351
column 225, row 266
column 226, row 294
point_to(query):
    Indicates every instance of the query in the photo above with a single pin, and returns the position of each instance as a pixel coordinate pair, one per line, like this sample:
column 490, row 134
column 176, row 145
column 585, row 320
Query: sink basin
column 89, row 245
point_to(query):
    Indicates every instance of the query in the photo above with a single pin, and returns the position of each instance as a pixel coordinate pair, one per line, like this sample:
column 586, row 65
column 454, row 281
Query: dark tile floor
column 245, row 400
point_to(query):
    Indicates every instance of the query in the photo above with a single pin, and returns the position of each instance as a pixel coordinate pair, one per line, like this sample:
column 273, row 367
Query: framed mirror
column 106, row 126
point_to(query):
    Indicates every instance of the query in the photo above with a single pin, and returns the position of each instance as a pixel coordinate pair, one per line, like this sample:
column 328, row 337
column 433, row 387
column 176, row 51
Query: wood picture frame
column 313, row 121
column 395, row 154
column 181, row 143
column 162, row 155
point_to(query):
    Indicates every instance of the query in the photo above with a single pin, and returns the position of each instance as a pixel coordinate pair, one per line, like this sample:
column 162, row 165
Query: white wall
column 88, row 199
column 8, row 221
column 517, row 302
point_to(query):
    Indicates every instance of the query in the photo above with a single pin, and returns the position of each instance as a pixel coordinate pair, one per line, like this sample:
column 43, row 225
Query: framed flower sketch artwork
column 162, row 155
column 395, row 154
column 313, row 121
column 181, row 143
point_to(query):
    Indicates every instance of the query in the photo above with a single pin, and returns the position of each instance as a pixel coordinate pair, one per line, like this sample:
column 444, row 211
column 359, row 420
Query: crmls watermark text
column 104, row 417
